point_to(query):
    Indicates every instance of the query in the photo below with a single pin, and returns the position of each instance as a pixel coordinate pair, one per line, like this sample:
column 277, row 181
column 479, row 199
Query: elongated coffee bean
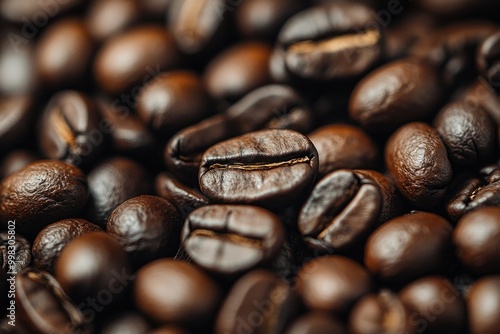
column 271, row 168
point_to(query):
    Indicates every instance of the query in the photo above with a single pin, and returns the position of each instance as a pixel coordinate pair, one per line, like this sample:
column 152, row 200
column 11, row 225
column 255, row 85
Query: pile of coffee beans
column 249, row 166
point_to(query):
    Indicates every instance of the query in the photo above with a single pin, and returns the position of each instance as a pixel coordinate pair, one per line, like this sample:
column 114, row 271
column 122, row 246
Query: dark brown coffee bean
column 43, row 306
column 40, row 194
column 272, row 107
column 417, row 160
column 52, row 239
column 259, row 302
column 172, row 101
column 148, row 227
column 129, row 135
column 263, row 19
column 397, row 93
column 69, row 129
column 343, row 146
column 333, row 41
column 176, row 293
column 126, row 322
column 96, row 266
column 63, row 53
column 316, row 323
column 133, row 58
column 488, row 60
column 332, row 284
column 452, row 48
column 469, row 134
column 271, row 168
column 238, row 70
column 15, row 251
column 382, row 312
column 469, row 192
column 110, row 17
column 230, row 239
column 16, row 114
column 344, row 207
column 199, row 26
column 395, row 252
column 111, row 183
column 438, row 305
column 184, row 198
column 476, row 240
column 483, row 305
column 15, row 161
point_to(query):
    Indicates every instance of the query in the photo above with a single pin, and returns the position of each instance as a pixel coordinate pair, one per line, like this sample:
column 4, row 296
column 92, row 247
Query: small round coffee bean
column 230, row 239
column 174, row 292
column 332, row 284
column 395, row 252
column 53, row 238
column 483, row 305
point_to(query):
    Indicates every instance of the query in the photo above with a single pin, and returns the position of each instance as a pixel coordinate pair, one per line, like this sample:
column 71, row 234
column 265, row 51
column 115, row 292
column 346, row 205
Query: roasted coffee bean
column 469, row 134
column 199, row 26
column 271, row 168
column 332, row 284
column 126, row 322
column 43, row 307
column 70, row 130
column 470, row 192
column 402, row 91
column 230, row 239
column 93, row 263
column 53, row 238
column 133, row 58
column 15, row 256
column 177, row 293
column 316, row 323
column 238, row 70
column 483, row 305
column 129, row 135
column 184, row 198
column 396, row 253
column 259, row 293
column 417, row 160
column 63, row 53
column 110, row 17
column 111, row 183
column 16, row 114
column 488, row 60
column 344, row 207
column 381, row 312
column 263, row 19
column 148, row 227
column 15, row 161
column 172, row 101
column 452, row 49
column 28, row 11
column 438, row 305
column 272, row 107
column 333, row 41
column 476, row 240
column 184, row 150
column 40, row 194
column 343, row 146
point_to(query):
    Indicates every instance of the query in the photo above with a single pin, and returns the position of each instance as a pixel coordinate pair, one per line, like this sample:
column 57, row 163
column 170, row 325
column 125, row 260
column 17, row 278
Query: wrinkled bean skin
column 403, row 91
column 256, row 174
column 418, row 162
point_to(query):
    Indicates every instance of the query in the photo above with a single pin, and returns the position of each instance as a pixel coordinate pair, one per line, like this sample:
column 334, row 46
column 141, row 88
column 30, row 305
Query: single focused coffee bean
column 52, row 239
column 147, row 227
column 40, row 194
column 230, row 239
column 418, row 162
column 395, row 252
column 258, row 292
column 273, row 170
